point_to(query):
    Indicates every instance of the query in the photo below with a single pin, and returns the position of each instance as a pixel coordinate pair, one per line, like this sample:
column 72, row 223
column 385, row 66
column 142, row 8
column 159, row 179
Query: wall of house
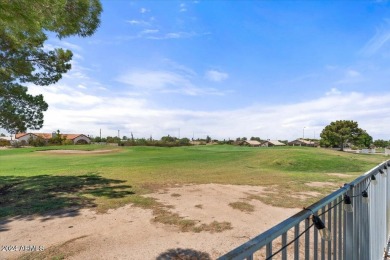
column 26, row 137
column 81, row 137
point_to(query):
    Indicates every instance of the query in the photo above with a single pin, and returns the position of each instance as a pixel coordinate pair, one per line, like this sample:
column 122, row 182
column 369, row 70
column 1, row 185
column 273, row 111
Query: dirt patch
column 130, row 233
column 321, row 184
column 341, row 175
column 305, row 195
column 77, row 151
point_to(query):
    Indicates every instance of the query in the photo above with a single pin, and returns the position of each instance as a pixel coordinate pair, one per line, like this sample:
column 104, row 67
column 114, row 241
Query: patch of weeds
column 175, row 195
column 216, row 227
column 144, row 202
column 283, row 162
column 243, row 206
column 58, row 252
column 164, row 216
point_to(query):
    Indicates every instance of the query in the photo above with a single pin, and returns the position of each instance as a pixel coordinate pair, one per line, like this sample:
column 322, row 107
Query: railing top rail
column 268, row 236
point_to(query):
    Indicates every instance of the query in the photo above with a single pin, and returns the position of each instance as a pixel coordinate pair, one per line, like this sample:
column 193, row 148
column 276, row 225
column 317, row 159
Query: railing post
column 358, row 235
column 348, row 235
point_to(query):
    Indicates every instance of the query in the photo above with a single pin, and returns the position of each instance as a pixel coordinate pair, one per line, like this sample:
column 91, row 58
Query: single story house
column 252, row 143
column 303, row 142
column 270, row 143
column 75, row 138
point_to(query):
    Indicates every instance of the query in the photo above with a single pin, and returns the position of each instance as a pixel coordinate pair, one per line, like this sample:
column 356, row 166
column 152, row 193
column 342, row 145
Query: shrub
column 4, row 142
column 37, row 141
column 67, row 142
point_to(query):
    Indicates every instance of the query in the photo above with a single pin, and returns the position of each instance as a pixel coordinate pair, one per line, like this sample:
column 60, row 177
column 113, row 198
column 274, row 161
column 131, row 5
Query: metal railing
column 358, row 235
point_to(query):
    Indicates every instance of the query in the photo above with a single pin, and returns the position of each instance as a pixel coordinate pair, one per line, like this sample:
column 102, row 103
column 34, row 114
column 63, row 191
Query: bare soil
column 130, row 232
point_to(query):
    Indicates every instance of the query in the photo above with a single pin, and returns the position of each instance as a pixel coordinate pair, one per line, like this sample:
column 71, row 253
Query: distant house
column 252, row 143
column 270, row 143
column 7, row 138
column 75, row 138
column 303, row 142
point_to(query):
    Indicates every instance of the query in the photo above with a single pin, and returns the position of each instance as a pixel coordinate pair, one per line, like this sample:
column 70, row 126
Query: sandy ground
column 129, row 233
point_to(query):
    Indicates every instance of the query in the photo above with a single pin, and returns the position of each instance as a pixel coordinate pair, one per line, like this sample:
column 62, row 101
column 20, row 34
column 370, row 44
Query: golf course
column 58, row 183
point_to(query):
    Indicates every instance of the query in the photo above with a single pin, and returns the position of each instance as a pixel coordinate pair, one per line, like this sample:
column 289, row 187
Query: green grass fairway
column 34, row 182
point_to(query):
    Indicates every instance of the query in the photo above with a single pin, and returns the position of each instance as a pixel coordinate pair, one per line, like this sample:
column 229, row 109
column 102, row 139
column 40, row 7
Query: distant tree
column 114, row 139
column 97, row 139
column 168, row 139
column 57, row 138
column 24, row 25
column 124, row 137
column 341, row 132
column 381, row 143
column 184, row 141
column 208, row 139
column 39, row 141
column 255, row 139
column 365, row 140
column 2, row 135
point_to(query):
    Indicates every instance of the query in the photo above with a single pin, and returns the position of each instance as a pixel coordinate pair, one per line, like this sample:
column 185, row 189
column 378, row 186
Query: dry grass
column 243, row 206
column 199, row 206
column 58, row 252
column 164, row 216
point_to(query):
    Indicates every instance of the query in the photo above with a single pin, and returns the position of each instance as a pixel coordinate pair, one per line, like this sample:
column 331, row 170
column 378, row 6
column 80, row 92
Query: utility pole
column 119, row 135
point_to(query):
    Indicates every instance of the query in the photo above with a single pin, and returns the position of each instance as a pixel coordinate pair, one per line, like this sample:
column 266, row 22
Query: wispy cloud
column 143, row 10
column 149, row 31
column 138, row 22
column 333, row 91
column 378, row 41
column 182, row 7
column 216, row 76
column 162, row 81
column 152, row 80
column 173, row 35
column 350, row 76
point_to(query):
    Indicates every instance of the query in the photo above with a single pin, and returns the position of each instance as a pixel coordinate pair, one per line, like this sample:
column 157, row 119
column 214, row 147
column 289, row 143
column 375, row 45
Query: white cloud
column 182, row 7
column 138, row 22
column 333, row 91
column 378, row 41
column 75, row 110
column 173, row 35
column 160, row 81
column 152, row 80
column 143, row 10
column 352, row 73
column 70, row 46
column 149, row 31
column 350, row 76
column 216, row 76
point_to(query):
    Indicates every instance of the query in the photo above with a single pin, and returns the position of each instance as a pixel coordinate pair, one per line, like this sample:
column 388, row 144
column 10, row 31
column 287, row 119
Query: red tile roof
column 49, row 135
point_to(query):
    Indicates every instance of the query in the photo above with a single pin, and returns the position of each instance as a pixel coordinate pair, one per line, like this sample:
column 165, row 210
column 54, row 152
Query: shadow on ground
column 54, row 196
column 183, row 254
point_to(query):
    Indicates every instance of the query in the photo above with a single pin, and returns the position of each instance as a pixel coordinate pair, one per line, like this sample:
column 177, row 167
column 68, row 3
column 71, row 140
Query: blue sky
column 273, row 69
